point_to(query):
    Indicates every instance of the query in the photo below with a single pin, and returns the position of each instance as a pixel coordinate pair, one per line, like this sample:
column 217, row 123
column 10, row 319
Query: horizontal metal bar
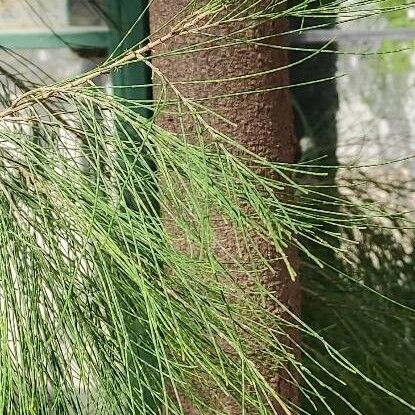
column 91, row 37
column 341, row 35
column 98, row 37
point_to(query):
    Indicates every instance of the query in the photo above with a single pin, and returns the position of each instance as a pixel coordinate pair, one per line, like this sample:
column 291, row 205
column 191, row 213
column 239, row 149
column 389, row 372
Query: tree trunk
column 264, row 121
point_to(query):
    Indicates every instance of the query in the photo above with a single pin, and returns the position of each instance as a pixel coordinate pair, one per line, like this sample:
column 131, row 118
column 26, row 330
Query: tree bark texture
column 263, row 123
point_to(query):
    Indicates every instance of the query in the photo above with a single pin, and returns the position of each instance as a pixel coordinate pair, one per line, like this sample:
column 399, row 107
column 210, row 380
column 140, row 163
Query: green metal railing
column 122, row 16
column 91, row 37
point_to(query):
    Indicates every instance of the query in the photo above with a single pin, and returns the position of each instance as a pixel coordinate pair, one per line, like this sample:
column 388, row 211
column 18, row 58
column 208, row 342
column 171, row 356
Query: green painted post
column 122, row 16
column 135, row 80
column 129, row 23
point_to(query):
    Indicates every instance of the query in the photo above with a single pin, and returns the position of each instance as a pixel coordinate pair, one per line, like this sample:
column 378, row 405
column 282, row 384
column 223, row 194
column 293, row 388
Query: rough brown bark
column 264, row 122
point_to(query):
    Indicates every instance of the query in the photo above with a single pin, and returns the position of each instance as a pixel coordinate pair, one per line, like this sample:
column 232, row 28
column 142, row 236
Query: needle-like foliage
column 116, row 296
